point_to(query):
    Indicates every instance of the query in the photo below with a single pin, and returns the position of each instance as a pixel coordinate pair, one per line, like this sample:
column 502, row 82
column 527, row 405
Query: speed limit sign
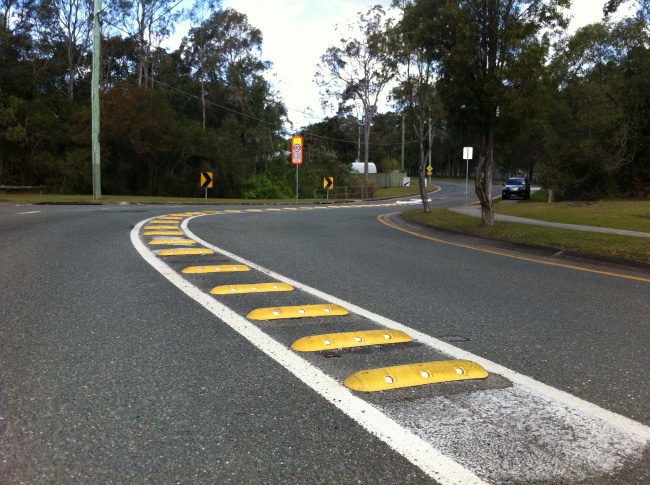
column 296, row 152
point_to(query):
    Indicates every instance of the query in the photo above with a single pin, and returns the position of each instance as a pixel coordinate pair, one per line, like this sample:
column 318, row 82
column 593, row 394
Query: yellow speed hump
column 414, row 375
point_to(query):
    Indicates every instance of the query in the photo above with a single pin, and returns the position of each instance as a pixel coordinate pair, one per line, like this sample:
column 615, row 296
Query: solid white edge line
column 536, row 387
column 420, row 453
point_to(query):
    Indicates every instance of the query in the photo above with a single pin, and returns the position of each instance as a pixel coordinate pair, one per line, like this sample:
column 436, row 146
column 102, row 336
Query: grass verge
column 632, row 215
column 620, row 215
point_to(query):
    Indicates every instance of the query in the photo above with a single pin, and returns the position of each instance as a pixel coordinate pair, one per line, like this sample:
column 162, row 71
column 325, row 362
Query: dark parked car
column 516, row 187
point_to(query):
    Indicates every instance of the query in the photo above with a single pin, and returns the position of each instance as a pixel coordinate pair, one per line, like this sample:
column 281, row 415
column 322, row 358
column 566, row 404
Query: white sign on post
column 467, row 155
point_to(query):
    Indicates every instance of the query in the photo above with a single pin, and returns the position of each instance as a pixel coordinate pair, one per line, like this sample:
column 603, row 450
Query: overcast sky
column 297, row 32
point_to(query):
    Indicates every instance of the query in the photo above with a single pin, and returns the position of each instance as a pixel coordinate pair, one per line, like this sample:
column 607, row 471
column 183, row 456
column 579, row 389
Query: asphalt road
column 115, row 367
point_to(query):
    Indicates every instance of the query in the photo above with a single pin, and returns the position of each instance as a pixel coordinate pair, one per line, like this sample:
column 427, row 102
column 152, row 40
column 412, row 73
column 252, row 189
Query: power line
column 307, row 132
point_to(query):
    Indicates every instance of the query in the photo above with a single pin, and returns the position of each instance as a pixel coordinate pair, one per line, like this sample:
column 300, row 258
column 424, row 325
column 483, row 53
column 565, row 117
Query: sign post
column 206, row 183
column 467, row 155
column 296, row 156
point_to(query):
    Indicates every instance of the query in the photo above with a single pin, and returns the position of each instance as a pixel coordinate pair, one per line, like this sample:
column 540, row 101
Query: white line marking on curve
column 425, row 452
column 621, row 422
column 403, row 441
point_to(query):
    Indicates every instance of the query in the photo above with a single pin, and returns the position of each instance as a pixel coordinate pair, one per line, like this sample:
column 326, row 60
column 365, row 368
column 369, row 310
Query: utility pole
column 97, row 34
column 403, row 135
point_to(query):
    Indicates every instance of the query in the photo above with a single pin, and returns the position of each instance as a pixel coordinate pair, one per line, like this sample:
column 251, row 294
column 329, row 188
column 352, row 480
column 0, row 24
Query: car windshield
column 516, row 182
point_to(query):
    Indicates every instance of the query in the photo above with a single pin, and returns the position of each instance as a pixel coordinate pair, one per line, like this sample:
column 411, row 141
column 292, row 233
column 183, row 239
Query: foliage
column 262, row 186
column 485, row 52
column 359, row 70
column 485, row 73
column 165, row 117
column 599, row 134
column 389, row 165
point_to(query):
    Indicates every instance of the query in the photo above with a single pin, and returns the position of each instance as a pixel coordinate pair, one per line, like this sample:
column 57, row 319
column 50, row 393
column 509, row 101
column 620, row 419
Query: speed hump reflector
column 414, row 375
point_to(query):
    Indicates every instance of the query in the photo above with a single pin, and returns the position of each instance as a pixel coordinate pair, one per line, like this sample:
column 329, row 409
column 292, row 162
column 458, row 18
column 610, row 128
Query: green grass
column 630, row 215
column 633, row 215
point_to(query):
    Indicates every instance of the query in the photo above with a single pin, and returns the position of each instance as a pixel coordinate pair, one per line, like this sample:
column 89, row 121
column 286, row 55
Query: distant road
column 111, row 372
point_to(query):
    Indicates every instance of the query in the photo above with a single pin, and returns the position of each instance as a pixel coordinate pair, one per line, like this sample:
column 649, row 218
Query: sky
column 296, row 33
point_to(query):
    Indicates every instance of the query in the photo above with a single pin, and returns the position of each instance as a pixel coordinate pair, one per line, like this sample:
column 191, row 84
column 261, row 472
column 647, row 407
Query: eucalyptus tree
column 16, row 45
column 224, row 54
column 196, row 46
column 599, row 133
column 150, row 23
column 485, row 49
column 416, row 92
column 642, row 8
column 66, row 27
column 359, row 69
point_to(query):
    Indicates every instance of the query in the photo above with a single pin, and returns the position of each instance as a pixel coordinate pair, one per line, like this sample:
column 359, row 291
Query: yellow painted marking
column 232, row 211
column 172, row 241
column 185, row 251
column 226, row 268
column 166, row 220
column 522, row 258
column 297, row 312
column 290, row 209
column 254, row 210
column 159, row 227
column 315, row 343
column 307, row 208
column 254, row 288
column 273, row 210
column 212, row 212
column 414, row 375
column 162, row 233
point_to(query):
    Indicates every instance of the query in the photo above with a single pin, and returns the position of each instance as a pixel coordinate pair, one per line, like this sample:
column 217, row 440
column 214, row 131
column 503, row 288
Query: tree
column 642, row 8
column 486, row 50
column 358, row 70
column 599, row 133
column 416, row 92
column 149, row 22
column 196, row 46
column 66, row 25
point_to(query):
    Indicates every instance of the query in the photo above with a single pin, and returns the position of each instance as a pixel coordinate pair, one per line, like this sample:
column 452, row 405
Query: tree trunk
column 422, row 169
column 484, row 170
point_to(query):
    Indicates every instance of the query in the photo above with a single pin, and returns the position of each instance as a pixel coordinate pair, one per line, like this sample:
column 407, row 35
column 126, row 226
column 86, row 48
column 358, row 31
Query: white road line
column 610, row 437
column 616, row 420
column 30, row 212
column 403, row 441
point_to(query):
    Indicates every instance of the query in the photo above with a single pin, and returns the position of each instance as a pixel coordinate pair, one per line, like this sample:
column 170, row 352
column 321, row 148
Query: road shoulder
column 594, row 262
